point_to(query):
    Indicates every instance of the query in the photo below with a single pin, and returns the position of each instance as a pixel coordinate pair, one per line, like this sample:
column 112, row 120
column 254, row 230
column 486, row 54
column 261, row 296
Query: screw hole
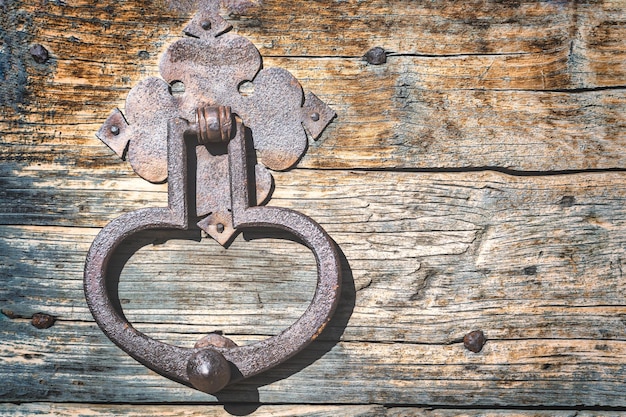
column 177, row 88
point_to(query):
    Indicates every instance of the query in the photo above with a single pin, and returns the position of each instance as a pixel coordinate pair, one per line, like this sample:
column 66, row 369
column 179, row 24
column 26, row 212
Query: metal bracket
column 222, row 124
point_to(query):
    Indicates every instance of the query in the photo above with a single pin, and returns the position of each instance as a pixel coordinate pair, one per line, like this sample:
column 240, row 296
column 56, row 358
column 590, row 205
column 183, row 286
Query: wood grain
column 535, row 262
column 436, row 180
column 43, row 367
column 543, row 89
column 97, row 410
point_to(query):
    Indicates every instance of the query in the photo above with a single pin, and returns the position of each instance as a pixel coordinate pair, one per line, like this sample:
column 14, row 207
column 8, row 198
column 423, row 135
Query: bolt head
column 206, row 25
column 115, row 130
column 315, row 116
column 208, row 371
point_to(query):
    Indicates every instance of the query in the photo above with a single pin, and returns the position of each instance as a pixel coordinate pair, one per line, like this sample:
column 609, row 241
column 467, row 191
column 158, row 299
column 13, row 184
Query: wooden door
column 473, row 181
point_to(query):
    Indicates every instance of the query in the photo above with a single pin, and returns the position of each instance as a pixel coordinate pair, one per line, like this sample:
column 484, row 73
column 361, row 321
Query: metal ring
column 203, row 368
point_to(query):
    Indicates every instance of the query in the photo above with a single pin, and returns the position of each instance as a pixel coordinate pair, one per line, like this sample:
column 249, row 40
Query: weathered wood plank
column 535, row 262
column 73, row 410
column 432, row 28
column 350, row 28
column 412, row 112
column 422, row 248
column 74, row 361
column 100, row 410
column 386, row 121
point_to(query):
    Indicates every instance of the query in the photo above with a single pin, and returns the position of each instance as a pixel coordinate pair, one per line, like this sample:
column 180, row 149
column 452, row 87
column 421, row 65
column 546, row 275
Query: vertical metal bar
column 177, row 181
column 238, row 166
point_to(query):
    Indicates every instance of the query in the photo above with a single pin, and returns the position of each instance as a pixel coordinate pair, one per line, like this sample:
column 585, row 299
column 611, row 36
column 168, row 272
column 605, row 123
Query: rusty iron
column 376, row 56
column 42, row 320
column 39, row 53
column 474, row 341
column 214, row 124
column 222, row 126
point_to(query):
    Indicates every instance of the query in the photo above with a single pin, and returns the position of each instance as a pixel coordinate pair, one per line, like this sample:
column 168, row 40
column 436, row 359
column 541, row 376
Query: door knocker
column 161, row 122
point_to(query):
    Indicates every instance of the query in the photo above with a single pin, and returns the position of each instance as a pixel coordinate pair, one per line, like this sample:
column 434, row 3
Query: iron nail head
column 474, row 341
column 39, row 53
column 376, row 56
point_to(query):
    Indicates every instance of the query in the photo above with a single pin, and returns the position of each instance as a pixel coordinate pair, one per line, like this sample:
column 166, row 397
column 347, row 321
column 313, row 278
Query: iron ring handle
column 209, row 369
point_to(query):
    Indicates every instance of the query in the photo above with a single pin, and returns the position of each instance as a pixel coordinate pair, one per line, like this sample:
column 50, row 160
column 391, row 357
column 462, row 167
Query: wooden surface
column 71, row 410
column 474, row 181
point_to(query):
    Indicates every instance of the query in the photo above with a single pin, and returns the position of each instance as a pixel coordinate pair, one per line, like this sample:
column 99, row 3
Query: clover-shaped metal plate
column 212, row 64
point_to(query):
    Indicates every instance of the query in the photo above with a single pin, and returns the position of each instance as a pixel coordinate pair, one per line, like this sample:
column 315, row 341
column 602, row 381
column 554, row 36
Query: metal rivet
column 220, row 227
column 474, row 341
column 206, row 25
column 315, row 116
column 115, row 130
column 215, row 340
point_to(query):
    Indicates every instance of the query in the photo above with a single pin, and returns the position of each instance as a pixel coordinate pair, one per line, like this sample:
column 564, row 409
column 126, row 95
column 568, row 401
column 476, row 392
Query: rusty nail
column 39, row 53
column 206, row 25
column 474, row 341
column 315, row 116
column 115, row 130
column 42, row 321
column 376, row 56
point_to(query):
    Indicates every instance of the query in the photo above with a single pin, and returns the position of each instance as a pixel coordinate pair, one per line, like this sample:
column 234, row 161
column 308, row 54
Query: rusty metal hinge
column 222, row 124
